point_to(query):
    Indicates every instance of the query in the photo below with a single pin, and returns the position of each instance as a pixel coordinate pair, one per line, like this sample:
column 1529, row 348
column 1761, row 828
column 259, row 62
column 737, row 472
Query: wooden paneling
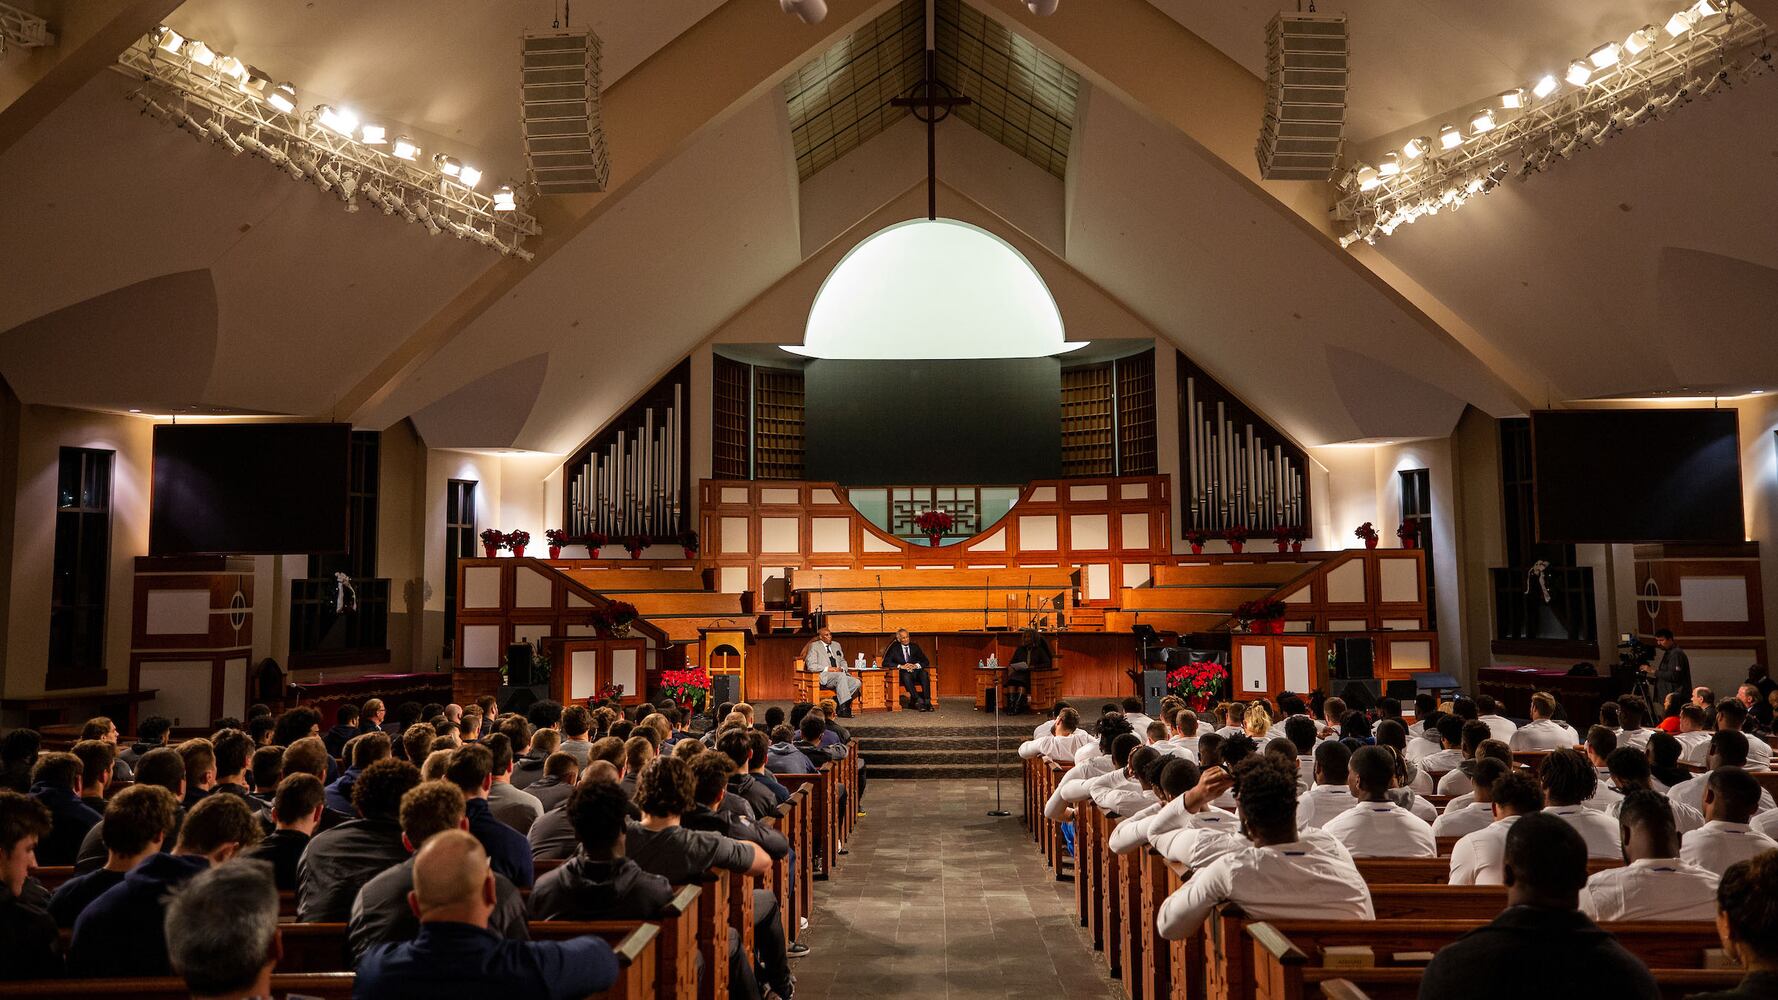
column 1088, row 434
column 1135, row 415
column 1093, row 664
column 731, row 401
column 777, row 423
column 1709, row 595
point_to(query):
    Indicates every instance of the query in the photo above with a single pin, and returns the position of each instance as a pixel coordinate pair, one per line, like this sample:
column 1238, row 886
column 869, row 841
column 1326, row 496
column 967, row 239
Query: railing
column 1522, row 616
column 321, row 636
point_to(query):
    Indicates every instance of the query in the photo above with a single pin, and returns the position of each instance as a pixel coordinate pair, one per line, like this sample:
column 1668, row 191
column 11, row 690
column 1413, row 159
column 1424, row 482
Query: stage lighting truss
column 1703, row 51
column 23, row 29
column 235, row 109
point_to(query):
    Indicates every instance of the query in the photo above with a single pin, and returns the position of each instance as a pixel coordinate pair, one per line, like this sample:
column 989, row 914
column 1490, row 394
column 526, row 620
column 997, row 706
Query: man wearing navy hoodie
column 121, row 932
column 56, row 782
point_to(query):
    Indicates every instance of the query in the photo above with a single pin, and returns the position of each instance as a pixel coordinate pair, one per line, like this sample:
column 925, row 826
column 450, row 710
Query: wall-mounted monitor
column 249, row 489
column 1654, row 475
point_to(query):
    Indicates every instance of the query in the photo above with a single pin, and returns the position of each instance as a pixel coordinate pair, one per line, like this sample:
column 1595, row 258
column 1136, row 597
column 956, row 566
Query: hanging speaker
column 564, row 136
column 1306, row 69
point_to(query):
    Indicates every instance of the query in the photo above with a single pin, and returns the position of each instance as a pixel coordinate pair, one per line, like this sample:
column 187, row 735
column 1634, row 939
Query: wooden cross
column 931, row 102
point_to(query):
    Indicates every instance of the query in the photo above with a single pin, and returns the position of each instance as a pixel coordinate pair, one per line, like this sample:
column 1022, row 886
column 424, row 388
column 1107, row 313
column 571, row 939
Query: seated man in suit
column 222, row 931
column 826, row 656
column 1747, row 922
column 906, row 656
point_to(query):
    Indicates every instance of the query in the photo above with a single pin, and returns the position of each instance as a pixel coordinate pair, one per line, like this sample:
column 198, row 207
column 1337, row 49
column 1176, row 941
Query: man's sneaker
column 797, row 949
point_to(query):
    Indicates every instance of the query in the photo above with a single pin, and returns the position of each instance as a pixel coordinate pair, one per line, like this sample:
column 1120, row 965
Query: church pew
column 1156, row 951
column 52, row 876
column 322, row 985
column 1404, row 984
column 1055, row 848
column 1435, row 871
column 824, row 786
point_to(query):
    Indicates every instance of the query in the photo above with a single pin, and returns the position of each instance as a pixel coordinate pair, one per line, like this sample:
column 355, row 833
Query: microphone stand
column 999, row 764
column 882, row 610
column 985, row 581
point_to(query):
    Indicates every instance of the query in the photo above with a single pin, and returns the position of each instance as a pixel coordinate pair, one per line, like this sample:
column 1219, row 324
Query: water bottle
column 860, row 665
column 979, row 664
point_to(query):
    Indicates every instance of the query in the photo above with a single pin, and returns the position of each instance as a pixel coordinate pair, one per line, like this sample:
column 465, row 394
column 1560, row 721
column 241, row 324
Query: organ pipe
column 630, row 485
column 1233, row 476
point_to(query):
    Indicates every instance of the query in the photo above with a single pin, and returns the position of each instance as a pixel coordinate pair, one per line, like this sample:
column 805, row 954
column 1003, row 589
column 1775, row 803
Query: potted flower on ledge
column 492, row 542
column 556, row 538
column 517, row 542
column 687, row 687
column 1368, row 532
column 619, row 616
column 1409, row 533
column 1197, row 683
column 1196, row 539
column 688, row 540
column 934, row 523
column 1281, row 537
column 1298, row 535
column 1236, row 537
column 1261, row 617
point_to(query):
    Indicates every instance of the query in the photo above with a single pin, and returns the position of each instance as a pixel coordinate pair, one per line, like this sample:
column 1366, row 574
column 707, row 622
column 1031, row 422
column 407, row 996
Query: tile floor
column 939, row 900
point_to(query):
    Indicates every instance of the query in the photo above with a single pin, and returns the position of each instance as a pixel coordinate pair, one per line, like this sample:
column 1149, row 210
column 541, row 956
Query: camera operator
column 1670, row 670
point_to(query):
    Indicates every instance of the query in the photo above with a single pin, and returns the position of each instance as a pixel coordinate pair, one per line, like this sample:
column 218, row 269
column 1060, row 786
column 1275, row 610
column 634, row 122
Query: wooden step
column 832, row 580
column 1126, row 621
column 1276, row 573
column 1224, row 599
column 922, row 600
column 632, row 581
column 925, row 621
column 656, row 604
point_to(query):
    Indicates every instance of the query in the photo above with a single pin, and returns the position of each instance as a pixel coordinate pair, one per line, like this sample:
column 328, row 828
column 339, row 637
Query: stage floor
column 952, row 713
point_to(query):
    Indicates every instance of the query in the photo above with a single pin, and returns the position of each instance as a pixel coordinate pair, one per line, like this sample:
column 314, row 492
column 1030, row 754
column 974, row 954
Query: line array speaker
column 564, row 136
column 1306, row 73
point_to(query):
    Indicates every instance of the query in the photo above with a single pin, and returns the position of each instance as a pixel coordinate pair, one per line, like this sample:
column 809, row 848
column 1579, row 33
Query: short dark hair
column 1301, row 730
column 544, row 714
column 1663, row 749
column 297, row 797
column 58, row 769
column 1663, row 633
column 1728, row 746
column 1648, row 809
column 369, row 748
column 1333, row 759
column 153, row 728
column 1546, row 853
column 1748, row 896
column 1235, row 748
column 135, row 816
column 1374, row 768
column 575, row 722
column 96, row 757
column 1517, row 791
column 1465, row 709
column 1266, row 789
column 470, row 766
column 500, row 750
column 1450, row 729
column 1488, row 770
column 598, row 811
column 377, row 792
column 665, row 787
column 1629, row 764
column 812, row 727
column 1567, row 777
column 345, row 715
column 1474, row 735
column 428, row 808
column 1486, row 705
column 710, row 773
column 1601, row 741
column 308, row 755
column 1731, row 714
column 217, row 820
column 295, row 724
column 1178, row 776
column 416, row 742
column 738, row 745
column 1632, row 711
column 161, row 766
column 1737, row 790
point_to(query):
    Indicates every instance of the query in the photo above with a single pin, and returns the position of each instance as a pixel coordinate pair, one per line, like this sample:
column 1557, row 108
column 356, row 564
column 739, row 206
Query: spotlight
column 1449, row 137
column 168, row 40
column 218, row 134
column 1545, row 86
column 505, row 199
column 424, row 212
column 1483, row 121
column 405, row 148
column 469, row 176
column 1579, row 72
column 1513, row 99
column 1707, row 8
column 200, row 53
column 1678, row 24
column 340, row 120
column 1042, row 8
column 232, row 68
column 1641, row 40
column 192, row 125
column 1389, row 165
column 283, row 97
column 450, row 166
column 327, row 177
column 1416, row 148
column 290, row 167
column 1605, row 55
column 806, row 11
column 1367, row 178
column 523, row 254
column 372, row 135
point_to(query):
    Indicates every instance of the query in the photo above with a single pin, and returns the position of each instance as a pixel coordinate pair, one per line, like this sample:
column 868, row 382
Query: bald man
column 454, row 896
column 825, row 656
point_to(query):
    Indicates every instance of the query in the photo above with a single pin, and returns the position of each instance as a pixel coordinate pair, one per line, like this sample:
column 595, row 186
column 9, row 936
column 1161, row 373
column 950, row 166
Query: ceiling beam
column 1131, row 49
column 728, row 59
column 89, row 36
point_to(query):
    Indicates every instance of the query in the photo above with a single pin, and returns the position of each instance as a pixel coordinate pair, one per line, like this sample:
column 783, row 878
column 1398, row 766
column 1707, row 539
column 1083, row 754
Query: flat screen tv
column 1637, row 476
column 249, row 489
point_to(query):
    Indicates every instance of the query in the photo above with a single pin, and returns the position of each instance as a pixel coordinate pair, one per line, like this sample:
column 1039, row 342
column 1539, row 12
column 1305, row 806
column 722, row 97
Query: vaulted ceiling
column 1111, row 142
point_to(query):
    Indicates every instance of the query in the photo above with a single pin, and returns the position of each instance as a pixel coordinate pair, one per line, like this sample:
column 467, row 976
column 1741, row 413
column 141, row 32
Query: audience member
column 574, row 724
column 1377, row 826
column 1727, row 748
column 339, row 861
column 513, row 806
column 296, row 813
column 1730, row 797
column 1568, row 782
column 600, row 882
column 200, row 769
column 162, row 767
column 1461, row 818
column 139, row 820
column 1331, row 794
column 151, row 734
column 345, row 727
column 32, row 946
column 365, row 751
column 560, row 776
column 1479, row 858
column 222, row 931
column 56, row 783
column 472, row 769
column 1654, row 883
column 1747, row 923
column 97, row 760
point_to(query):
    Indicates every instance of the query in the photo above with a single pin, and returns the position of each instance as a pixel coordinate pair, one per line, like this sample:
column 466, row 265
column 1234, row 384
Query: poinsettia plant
column 687, row 687
column 634, row 544
column 518, row 539
column 556, row 537
column 1366, row 531
column 1237, row 533
column 1299, row 533
column 493, row 538
column 1197, row 683
column 934, row 522
column 1262, row 610
column 609, row 692
column 688, row 540
column 1407, row 531
column 1197, row 537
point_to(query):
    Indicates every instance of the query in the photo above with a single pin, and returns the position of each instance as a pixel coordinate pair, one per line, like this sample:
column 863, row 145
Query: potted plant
column 1198, row 683
column 634, row 544
column 1261, row 617
column 1298, row 534
column 1236, row 537
column 687, row 687
column 492, row 542
column 594, row 541
column 1196, row 539
column 934, row 523
column 688, row 540
column 1368, row 532
column 619, row 616
column 1281, row 536
column 556, row 537
column 517, row 541
column 609, row 693
column 1409, row 533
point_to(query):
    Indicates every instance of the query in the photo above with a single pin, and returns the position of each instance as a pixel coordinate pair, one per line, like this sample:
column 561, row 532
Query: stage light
column 283, row 97
column 168, row 40
column 1605, row 55
column 1545, row 86
column 450, row 166
column 505, row 199
column 405, row 149
column 255, row 83
column 340, row 120
column 1579, row 73
column 1416, row 148
column 1678, row 24
column 1367, row 178
column 1483, row 121
column 1449, row 137
column 232, row 68
column 807, row 11
column 220, row 135
column 1706, row 8
column 1042, row 8
column 469, row 176
column 1513, row 99
column 372, row 135
column 200, row 53
column 1642, row 39
column 1389, row 165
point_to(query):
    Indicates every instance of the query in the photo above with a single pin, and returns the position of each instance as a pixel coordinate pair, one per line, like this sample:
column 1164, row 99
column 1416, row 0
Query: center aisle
column 939, row 900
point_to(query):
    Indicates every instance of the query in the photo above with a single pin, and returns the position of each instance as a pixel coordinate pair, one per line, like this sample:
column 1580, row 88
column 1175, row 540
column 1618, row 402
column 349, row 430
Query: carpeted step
column 894, row 772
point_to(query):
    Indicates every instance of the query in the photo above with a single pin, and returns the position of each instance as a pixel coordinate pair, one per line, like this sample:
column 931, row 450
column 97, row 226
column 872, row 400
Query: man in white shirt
column 1728, row 748
column 1629, row 769
column 1063, row 744
column 1450, row 734
column 1333, row 712
column 1568, row 782
column 1124, row 790
column 1693, row 736
column 1634, row 713
column 1072, row 787
column 1655, row 884
column 1182, row 727
column 1488, row 713
column 1133, row 714
column 1425, row 705
column 1048, row 726
column 1732, row 715
column 1331, row 794
column 1300, row 731
column 1280, row 874
column 1427, row 741
column 825, row 656
column 1479, row 857
column 1387, row 708
column 1462, row 819
column 1543, row 732
column 1177, row 776
column 1730, row 797
column 1456, row 781
column 1601, row 743
column 1379, row 827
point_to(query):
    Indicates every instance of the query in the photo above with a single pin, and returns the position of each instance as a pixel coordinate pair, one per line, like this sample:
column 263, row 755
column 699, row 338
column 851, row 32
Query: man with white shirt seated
column 1730, row 797
column 1378, row 826
column 1190, row 828
column 1388, row 708
column 1630, row 772
column 1463, row 818
column 1333, row 712
column 1478, row 858
column 1281, row 874
column 1488, row 712
column 1425, row 705
column 1732, row 715
column 1568, row 782
column 1063, row 743
column 1655, row 883
column 1331, row 794
column 1450, row 734
column 1300, row 732
column 1088, row 764
column 1124, row 790
column 1182, row 732
column 1634, row 713
column 1132, row 707
column 1427, row 741
column 1543, row 732
column 1170, row 778
column 1693, row 733
column 1728, row 748
column 1048, row 726
column 1601, row 743
column 1747, row 923
column 1455, row 781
